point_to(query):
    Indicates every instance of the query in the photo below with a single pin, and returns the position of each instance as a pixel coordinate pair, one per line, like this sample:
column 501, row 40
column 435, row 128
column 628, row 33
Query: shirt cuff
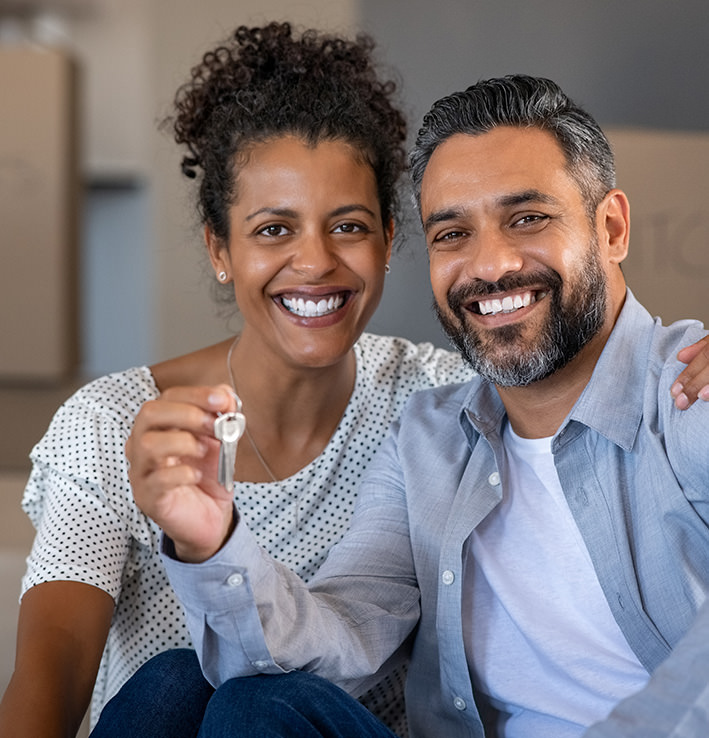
column 220, row 583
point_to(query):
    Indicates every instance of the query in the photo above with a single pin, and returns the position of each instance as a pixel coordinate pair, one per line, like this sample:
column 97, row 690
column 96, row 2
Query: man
column 537, row 541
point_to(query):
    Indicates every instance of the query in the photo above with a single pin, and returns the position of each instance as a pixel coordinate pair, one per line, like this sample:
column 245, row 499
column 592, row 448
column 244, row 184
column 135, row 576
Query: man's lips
column 507, row 304
column 313, row 306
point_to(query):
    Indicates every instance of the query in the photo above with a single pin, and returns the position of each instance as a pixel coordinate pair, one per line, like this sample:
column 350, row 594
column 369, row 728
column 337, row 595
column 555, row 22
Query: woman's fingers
column 693, row 382
column 173, row 467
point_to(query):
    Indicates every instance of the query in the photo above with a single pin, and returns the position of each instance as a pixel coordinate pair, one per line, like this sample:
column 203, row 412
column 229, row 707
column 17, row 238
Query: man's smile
column 508, row 304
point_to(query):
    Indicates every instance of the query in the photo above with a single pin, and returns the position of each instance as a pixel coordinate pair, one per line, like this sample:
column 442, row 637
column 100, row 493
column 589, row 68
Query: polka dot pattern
column 90, row 530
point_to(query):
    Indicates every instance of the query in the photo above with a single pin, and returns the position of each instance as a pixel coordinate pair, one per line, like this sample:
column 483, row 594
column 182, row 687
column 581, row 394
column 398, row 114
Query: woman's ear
column 389, row 238
column 614, row 225
column 217, row 255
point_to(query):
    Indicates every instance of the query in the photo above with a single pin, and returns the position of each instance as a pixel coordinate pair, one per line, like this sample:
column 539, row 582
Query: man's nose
column 492, row 256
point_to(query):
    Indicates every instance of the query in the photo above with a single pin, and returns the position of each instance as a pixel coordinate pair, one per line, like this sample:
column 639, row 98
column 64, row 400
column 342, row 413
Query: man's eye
column 530, row 219
column 448, row 236
column 447, row 240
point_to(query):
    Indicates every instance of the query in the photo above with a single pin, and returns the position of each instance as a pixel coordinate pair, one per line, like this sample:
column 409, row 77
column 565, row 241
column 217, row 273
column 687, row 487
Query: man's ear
column 613, row 218
column 216, row 251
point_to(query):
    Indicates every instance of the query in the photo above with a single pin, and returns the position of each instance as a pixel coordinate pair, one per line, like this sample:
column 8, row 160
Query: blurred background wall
column 640, row 66
column 633, row 64
column 143, row 292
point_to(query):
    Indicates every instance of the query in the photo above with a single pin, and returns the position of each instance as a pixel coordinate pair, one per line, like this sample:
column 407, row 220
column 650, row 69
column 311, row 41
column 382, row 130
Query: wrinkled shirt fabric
column 634, row 471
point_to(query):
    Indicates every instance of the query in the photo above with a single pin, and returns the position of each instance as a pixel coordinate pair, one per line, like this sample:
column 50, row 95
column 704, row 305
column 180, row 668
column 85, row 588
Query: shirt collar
column 612, row 401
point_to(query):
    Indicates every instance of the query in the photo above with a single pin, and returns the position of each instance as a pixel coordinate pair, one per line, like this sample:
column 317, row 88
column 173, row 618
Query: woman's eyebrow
column 353, row 208
column 288, row 213
column 280, row 212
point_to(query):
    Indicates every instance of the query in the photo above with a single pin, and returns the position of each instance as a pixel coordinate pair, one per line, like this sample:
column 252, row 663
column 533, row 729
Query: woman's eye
column 350, row 228
column 273, row 230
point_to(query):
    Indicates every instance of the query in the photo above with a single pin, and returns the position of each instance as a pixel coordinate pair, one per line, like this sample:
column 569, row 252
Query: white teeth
column 506, row 305
column 310, row 308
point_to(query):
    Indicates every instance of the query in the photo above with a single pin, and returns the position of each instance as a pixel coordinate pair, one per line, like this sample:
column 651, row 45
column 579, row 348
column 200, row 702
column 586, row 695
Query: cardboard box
column 664, row 175
column 39, row 201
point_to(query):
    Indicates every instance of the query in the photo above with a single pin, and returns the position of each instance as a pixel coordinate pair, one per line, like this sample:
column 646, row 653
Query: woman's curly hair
column 265, row 82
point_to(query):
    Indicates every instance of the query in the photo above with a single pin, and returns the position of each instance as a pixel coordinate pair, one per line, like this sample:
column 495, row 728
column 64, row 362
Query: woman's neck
column 291, row 411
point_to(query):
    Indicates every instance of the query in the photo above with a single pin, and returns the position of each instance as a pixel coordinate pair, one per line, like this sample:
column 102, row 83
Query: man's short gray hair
column 524, row 102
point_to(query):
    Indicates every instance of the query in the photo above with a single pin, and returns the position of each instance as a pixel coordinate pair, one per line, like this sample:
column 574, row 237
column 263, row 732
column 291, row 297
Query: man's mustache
column 477, row 289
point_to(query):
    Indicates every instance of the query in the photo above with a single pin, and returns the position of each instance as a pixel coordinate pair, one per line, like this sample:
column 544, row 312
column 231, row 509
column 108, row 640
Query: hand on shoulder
column 693, row 382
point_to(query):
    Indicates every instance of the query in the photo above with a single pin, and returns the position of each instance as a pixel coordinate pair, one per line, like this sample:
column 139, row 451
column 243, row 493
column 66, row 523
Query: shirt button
column 494, row 479
column 459, row 703
column 235, row 580
column 260, row 665
column 448, row 577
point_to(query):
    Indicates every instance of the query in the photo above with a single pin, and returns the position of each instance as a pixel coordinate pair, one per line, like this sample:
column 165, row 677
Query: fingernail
column 703, row 393
column 681, row 401
column 677, row 387
column 216, row 399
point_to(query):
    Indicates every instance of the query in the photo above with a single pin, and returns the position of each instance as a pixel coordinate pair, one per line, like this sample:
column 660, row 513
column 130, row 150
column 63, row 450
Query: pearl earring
column 222, row 276
column 387, row 269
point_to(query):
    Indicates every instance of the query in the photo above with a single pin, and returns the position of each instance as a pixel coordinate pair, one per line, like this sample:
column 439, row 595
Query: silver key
column 228, row 428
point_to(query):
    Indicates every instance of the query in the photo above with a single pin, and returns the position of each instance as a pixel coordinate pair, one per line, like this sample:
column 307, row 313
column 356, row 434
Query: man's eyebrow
column 504, row 201
column 441, row 216
column 526, row 196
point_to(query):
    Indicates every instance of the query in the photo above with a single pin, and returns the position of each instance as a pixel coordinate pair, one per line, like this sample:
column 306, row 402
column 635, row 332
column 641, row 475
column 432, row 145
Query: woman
column 298, row 147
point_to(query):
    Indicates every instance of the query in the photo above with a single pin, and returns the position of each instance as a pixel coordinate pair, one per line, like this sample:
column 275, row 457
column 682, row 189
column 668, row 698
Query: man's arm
column 61, row 635
column 675, row 702
column 248, row 614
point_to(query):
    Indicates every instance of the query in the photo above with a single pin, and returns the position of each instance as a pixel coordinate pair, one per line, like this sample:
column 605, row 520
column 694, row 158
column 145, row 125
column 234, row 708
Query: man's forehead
column 500, row 164
column 504, row 144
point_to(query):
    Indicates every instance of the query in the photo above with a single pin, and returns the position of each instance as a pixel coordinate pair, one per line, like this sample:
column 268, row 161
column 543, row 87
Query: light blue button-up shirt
column 635, row 472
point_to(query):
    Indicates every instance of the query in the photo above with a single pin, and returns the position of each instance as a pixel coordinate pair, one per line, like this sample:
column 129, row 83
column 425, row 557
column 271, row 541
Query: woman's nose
column 313, row 255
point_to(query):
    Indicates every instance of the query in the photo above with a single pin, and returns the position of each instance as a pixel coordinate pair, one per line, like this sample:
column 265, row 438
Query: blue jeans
column 165, row 698
column 169, row 698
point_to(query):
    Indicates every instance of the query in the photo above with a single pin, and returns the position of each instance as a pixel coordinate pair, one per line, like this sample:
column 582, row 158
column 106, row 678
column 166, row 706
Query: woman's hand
column 173, row 458
column 693, row 382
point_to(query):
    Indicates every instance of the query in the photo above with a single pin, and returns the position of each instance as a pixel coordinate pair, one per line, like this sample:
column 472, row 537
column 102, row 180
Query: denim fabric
column 169, row 698
column 165, row 698
column 294, row 705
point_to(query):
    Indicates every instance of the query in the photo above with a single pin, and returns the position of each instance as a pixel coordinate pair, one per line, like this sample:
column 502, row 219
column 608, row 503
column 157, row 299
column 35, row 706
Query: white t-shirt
column 541, row 640
column 90, row 530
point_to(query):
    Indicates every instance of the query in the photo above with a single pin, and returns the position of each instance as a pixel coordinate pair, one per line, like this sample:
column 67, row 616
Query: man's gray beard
column 566, row 332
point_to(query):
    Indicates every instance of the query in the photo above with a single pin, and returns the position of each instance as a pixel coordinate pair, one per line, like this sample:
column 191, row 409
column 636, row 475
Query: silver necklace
column 248, row 435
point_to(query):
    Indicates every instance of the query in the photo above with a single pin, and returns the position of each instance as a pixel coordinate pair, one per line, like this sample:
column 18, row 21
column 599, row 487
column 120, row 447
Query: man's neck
column 537, row 410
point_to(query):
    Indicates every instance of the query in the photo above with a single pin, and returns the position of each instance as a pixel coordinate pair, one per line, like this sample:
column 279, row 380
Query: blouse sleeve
column 79, row 500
